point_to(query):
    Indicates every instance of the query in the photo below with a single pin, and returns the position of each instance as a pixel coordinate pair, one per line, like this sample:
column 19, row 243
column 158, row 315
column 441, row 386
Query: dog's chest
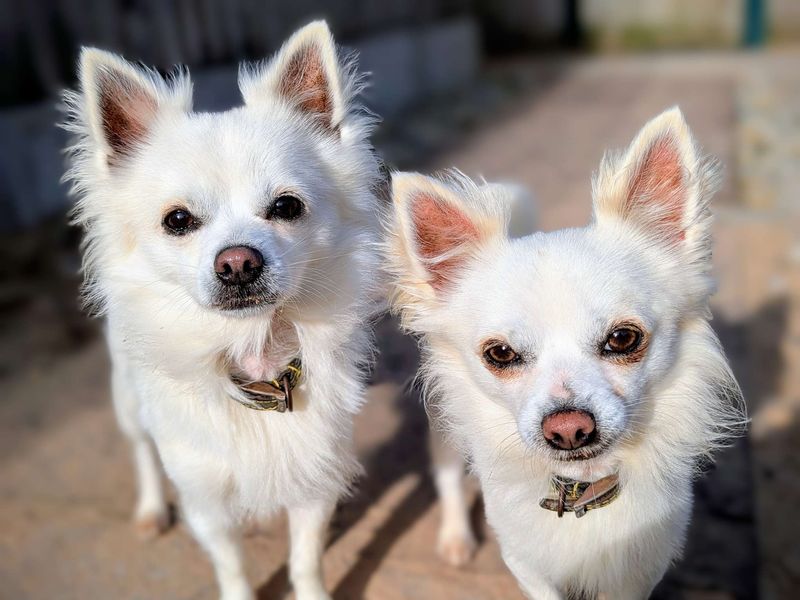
column 261, row 460
column 597, row 550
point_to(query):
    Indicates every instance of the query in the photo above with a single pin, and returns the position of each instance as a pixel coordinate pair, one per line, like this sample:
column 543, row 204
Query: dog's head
column 235, row 212
column 571, row 331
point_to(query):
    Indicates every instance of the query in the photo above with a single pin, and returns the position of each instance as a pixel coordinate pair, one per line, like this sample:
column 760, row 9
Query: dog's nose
column 569, row 429
column 238, row 265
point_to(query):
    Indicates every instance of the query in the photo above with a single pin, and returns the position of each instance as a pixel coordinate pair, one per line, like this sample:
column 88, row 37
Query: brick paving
column 66, row 487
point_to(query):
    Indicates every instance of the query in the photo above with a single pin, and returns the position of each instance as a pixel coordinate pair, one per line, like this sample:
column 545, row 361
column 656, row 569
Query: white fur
column 554, row 297
column 173, row 351
column 456, row 542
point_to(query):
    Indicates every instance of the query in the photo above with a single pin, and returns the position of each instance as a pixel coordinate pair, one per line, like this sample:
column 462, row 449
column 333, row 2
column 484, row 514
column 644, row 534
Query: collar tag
column 275, row 394
column 570, row 495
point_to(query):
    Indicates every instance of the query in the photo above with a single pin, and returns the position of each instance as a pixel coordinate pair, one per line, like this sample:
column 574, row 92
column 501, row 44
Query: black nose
column 238, row 265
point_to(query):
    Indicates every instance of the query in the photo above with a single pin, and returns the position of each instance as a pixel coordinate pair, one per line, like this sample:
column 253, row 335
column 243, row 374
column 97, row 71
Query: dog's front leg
column 152, row 513
column 534, row 585
column 456, row 543
column 308, row 526
column 628, row 592
column 221, row 540
column 634, row 589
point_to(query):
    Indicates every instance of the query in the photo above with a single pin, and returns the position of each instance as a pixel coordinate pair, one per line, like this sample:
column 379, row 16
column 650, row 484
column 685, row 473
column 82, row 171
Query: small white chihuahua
column 233, row 255
column 576, row 369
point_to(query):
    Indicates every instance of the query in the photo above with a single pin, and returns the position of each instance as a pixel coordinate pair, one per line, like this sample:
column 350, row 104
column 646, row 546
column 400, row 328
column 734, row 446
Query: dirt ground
column 67, row 489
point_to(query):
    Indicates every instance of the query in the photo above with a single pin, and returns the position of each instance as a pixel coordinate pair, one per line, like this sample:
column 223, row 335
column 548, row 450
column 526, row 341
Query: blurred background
column 525, row 90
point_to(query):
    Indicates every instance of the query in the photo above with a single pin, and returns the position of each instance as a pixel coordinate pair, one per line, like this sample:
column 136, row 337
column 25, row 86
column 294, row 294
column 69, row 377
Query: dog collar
column 275, row 394
column 570, row 495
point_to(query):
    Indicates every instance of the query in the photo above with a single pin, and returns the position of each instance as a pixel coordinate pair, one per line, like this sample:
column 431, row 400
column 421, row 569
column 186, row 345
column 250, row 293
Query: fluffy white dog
column 233, row 255
column 576, row 369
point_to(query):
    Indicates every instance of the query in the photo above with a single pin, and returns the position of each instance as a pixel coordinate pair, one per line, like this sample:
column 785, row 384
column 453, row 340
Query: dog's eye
column 180, row 222
column 500, row 355
column 623, row 340
column 286, row 208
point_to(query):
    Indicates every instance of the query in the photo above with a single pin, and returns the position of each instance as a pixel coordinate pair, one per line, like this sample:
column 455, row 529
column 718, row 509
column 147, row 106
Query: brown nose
column 568, row 429
column 238, row 265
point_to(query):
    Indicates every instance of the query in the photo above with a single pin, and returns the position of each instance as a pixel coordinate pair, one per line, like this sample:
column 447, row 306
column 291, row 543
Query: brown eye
column 286, row 208
column 500, row 355
column 179, row 222
column 623, row 341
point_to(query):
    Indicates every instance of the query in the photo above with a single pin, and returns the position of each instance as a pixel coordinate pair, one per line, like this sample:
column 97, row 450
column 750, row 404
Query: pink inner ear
column 441, row 228
column 126, row 111
column 659, row 185
column 305, row 83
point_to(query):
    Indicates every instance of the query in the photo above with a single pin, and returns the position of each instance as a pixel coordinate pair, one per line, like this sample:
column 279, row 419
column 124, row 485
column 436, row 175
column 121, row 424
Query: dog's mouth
column 244, row 299
column 594, row 450
column 578, row 455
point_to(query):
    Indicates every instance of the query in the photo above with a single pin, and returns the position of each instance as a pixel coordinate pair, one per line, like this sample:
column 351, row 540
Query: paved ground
column 66, row 488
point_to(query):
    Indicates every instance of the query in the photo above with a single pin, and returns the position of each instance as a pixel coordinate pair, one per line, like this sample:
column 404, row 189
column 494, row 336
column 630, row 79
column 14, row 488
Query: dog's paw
column 237, row 589
column 150, row 525
column 456, row 548
column 310, row 591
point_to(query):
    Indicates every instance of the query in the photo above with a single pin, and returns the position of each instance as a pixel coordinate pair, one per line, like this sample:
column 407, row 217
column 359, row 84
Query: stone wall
column 646, row 24
column 783, row 20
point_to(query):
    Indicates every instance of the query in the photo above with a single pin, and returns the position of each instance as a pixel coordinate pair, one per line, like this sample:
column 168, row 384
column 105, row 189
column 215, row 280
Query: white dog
column 233, row 255
column 576, row 369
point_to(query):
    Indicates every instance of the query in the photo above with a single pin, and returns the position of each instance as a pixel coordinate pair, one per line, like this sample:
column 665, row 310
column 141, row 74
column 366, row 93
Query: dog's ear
column 660, row 184
column 122, row 101
column 306, row 73
column 436, row 227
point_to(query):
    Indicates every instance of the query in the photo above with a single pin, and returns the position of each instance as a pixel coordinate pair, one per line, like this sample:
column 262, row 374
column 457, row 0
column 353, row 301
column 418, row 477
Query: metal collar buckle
column 275, row 394
column 570, row 495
